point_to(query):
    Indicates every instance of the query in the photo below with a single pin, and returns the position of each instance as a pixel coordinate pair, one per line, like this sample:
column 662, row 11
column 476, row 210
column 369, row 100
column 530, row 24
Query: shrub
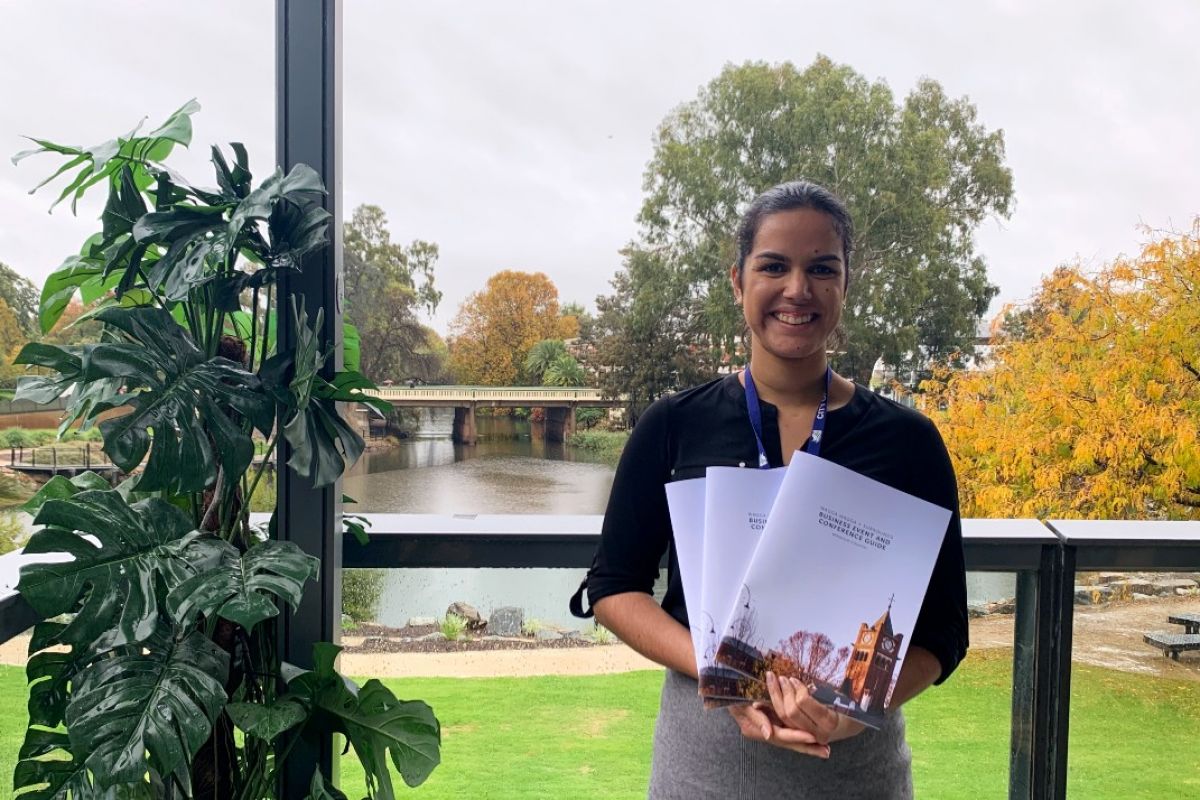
column 600, row 634
column 531, row 627
column 606, row 443
column 453, row 627
column 361, row 589
column 588, row 417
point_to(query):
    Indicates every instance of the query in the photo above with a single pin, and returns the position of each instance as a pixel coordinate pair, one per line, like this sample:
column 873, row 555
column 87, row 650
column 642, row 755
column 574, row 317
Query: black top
column 680, row 436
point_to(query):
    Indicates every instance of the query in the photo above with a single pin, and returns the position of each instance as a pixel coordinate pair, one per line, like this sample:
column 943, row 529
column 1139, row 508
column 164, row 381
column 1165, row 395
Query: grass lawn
column 1131, row 736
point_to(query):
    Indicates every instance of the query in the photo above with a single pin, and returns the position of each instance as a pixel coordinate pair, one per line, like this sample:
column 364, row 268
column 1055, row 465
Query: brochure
column 685, row 501
column 736, row 507
column 832, row 592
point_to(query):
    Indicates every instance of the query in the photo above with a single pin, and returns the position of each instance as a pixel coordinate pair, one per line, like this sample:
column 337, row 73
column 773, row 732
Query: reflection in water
column 511, row 471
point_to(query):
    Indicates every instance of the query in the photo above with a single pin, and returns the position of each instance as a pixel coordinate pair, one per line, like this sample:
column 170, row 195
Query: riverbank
column 606, row 443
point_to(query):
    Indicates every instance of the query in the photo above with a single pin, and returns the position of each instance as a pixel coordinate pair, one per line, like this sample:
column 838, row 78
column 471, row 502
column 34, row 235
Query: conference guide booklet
column 731, row 533
column 810, row 571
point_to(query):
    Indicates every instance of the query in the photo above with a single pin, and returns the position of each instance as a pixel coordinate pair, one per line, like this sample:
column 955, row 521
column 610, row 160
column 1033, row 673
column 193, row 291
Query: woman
column 790, row 278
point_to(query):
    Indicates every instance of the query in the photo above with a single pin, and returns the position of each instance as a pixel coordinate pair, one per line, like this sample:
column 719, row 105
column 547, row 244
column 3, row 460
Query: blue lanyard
column 813, row 446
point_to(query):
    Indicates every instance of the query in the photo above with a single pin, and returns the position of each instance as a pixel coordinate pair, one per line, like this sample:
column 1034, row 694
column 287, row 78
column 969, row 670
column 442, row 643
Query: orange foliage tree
column 810, row 656
column 496, row 328
column 1091, row 407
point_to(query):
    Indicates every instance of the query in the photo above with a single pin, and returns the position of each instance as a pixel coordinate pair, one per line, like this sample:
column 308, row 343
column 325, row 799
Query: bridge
column 560, row 403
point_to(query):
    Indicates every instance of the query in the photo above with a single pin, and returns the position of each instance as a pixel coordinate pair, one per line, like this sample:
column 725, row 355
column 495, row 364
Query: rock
column 1168, row 586
column 574, row 635
column 474, row 620
column 1140, row 596
column 1187, row 592
column 436, row 636
column 976, row 610
column 1002, row 606
column 547, row 635
column 506, row 621
column 1088, row 595
column 1132, row 586
column 421, row 622
column 373, row 643
column 1110, row 577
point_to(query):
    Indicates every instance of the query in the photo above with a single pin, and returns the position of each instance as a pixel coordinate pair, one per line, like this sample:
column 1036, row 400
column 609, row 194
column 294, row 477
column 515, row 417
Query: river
column 511, row 471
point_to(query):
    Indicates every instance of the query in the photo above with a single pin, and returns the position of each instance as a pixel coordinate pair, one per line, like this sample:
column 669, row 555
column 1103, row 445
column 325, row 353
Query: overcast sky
column 515, row 134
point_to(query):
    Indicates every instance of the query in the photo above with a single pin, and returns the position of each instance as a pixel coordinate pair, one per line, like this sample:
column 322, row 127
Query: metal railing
column 1044, row 557
column 530, row 394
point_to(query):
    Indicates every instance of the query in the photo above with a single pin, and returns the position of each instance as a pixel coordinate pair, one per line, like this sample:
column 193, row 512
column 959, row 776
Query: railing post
column 1064, row 627
column 1033, row 678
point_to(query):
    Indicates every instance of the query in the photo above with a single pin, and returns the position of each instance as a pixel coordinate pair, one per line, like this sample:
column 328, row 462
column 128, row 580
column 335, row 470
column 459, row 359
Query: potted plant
column 155, row 673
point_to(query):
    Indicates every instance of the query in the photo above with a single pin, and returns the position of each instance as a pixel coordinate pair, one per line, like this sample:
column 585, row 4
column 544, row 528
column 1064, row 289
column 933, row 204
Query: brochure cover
column 736, row 506
column 833, row 590
column 685, row 501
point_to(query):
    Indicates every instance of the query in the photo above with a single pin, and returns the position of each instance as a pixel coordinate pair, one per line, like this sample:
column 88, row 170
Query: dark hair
column 788, row 197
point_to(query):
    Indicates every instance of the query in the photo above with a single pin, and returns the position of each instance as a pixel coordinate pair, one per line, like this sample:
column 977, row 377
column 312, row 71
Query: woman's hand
column 794, row 718
column 761, row 725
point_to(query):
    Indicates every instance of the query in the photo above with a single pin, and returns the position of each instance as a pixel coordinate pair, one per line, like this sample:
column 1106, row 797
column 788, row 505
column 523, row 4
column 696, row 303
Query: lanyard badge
column 813, row 446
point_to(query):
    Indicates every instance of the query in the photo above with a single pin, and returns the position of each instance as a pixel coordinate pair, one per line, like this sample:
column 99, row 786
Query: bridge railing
column 532, row 394
column 1044, row 558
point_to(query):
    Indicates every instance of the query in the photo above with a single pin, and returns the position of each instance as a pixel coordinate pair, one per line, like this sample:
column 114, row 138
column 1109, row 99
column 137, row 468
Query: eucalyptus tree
column 919, row 176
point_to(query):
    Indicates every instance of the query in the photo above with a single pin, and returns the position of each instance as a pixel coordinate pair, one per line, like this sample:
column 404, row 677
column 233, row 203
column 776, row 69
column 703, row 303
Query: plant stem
column 267, row 453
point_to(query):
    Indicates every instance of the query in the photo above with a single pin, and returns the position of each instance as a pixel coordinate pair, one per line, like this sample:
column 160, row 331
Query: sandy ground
column 1106, row 636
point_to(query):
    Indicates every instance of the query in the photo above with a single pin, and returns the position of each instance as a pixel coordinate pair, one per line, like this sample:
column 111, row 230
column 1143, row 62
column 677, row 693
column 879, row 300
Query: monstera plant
column 156, row 673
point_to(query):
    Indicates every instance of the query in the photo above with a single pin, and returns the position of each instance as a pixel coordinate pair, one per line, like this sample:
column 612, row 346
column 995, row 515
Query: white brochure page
column 685, row 499
column 836, row 585
column 737, row 503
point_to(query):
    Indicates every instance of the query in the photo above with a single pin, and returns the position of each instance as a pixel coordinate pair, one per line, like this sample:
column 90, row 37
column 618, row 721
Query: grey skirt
column 702, row 754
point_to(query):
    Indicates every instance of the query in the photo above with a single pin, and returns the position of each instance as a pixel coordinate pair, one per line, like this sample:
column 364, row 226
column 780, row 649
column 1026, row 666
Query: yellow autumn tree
column 495, row 328
column 1090, row 408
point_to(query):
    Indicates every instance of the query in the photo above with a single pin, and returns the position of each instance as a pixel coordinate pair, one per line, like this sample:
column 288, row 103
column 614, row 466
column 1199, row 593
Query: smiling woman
column 790, row 279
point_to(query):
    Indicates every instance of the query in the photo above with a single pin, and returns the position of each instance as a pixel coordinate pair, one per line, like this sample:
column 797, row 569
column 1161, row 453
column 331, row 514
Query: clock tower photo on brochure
column 872, row 663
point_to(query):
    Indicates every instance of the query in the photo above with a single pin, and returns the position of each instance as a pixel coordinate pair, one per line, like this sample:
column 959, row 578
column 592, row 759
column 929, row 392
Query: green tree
column 387, row 285
column 541, row 356
column 918, row 175
column 497, row 327
column 564, row 371
column 21, row 296
column 650, row 337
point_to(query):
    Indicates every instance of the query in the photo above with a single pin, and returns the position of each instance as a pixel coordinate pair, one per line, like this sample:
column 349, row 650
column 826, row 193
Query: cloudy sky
column 515, row 134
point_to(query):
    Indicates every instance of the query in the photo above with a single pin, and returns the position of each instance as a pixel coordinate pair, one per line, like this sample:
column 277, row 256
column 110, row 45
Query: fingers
column 756, row 724
column 797, row 708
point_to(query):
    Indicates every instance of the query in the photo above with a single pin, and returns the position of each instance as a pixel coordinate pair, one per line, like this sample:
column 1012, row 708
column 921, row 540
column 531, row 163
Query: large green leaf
column 181, row 397
column 267, row 722
column 193, row 247
column 319, row 790
column 299, row 188
column 105, row 161
column 62, row 284
column 378, row 725
column 322, row 443
column 159, row 702
column 243, row 590
column 112, row 579
column 60, row 487
column 67, row 362
column 53, row 778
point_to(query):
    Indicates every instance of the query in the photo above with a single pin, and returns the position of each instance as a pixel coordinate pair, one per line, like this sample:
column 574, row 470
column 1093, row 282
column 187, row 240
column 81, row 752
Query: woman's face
column 793, row 283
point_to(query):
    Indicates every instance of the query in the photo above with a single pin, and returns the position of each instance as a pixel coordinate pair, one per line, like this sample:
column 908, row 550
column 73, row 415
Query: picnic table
column 1190, row 622
column 1171, row 643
